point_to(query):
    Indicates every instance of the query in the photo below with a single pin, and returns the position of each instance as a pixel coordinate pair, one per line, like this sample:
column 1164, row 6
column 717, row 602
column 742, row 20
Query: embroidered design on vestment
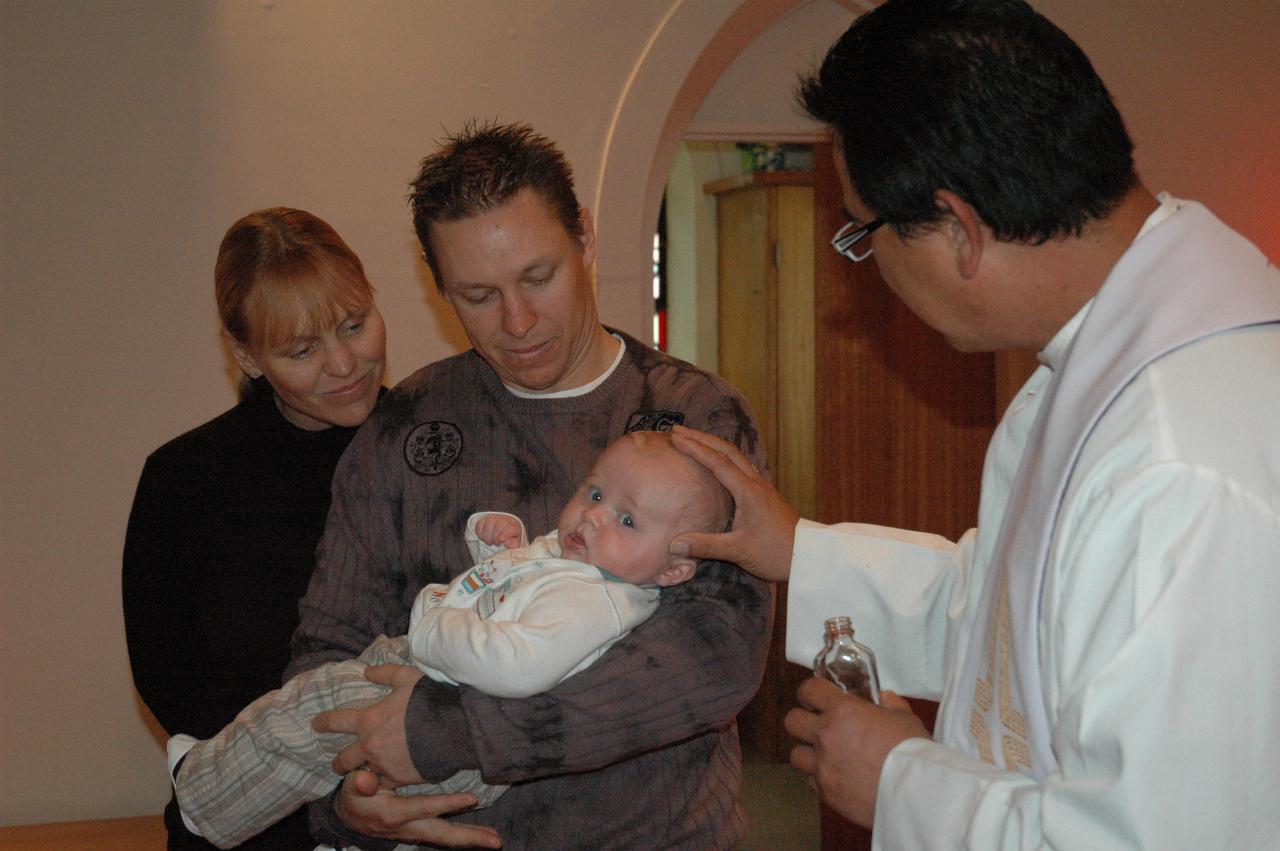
column 1014, row 744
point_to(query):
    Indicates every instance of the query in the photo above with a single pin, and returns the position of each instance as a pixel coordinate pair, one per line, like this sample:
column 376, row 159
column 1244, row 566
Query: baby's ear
column 677, row 570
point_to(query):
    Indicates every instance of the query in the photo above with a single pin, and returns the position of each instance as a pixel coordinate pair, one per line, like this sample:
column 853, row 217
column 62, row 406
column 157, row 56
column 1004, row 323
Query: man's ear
column 678, row 569
column 243, row 359
column 588, row 238
column 969, row 234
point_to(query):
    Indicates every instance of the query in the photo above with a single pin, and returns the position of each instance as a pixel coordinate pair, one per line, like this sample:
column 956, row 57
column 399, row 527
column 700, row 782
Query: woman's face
column 328, row 379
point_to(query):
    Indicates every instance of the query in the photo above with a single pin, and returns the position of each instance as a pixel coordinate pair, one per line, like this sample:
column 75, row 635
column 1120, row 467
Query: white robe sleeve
column 895, row 585
column 1163, row 712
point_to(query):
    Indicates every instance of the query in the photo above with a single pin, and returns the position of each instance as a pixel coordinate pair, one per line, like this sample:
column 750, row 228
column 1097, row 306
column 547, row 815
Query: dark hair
column 985, row 98
column 282, row 271
column 482, row 168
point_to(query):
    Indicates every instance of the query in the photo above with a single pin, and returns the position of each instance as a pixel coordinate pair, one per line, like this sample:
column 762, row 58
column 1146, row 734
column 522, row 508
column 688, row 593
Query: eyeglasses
column 847, row 238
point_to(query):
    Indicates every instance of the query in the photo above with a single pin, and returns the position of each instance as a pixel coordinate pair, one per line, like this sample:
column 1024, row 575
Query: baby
column 526, row 616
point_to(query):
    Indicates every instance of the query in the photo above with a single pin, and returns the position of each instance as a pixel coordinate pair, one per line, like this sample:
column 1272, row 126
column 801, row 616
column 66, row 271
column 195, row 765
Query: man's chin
column 540, row 379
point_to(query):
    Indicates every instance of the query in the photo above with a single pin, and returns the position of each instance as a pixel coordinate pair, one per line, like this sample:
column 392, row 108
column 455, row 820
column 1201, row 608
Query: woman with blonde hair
column 221, row 539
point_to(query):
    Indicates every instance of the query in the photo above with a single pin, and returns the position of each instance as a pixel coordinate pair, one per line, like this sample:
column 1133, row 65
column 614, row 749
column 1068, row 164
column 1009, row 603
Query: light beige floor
column 782, row 811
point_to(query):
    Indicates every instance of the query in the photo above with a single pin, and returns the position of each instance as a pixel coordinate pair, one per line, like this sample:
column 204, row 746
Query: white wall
column 1199, row 87
column 691, row 250
column 133, row 132
column 754, row 98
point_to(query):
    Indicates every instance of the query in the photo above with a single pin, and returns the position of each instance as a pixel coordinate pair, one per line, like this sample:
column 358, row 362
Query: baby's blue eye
column 593, row 494
column 628, row 521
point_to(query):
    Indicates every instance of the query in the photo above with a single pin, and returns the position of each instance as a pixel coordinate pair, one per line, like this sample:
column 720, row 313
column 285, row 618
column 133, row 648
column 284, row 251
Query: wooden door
column 766, row 350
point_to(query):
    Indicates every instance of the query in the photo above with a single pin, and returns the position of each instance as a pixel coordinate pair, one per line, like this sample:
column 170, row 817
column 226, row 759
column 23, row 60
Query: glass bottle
column 845, row 662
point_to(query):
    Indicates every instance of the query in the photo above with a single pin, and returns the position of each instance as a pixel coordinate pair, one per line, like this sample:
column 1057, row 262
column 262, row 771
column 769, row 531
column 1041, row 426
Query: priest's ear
column 968, row 233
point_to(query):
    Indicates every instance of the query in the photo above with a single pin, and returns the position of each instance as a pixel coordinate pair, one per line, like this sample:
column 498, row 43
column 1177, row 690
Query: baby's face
column 626, row 512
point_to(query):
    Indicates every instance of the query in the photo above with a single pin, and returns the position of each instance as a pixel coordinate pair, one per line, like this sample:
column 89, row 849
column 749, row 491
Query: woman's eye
column 354, row 327
column 478, row 298
column 302, row 353
column 628, row 521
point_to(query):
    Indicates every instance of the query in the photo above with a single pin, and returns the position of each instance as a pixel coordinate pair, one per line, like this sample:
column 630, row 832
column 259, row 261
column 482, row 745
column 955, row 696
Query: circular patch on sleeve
column 431, row 448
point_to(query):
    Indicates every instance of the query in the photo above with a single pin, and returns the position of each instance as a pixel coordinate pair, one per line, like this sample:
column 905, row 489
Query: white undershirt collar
column 575, row 391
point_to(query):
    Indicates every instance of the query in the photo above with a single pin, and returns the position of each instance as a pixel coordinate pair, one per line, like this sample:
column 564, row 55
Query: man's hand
column 368, row 808
column 378, row 761
column 499, row 530
column 845, row 743
column 764, row 525
column 380, row 744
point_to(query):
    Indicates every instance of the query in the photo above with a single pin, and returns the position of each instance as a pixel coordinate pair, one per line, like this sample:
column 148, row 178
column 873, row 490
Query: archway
column 685, row 57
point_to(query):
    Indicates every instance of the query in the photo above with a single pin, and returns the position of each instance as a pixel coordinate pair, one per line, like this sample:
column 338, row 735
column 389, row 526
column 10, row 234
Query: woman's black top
column 220, row 547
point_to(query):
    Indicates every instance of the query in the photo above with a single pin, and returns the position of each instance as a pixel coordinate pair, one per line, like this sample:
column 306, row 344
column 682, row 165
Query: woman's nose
column 340, row 361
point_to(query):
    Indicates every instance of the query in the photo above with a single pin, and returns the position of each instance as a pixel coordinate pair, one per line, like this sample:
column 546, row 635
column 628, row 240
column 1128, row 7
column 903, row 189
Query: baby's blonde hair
column 710, row 503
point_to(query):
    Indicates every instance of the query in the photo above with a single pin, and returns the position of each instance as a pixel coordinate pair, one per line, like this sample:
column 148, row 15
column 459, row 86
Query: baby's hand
column 499, row 530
